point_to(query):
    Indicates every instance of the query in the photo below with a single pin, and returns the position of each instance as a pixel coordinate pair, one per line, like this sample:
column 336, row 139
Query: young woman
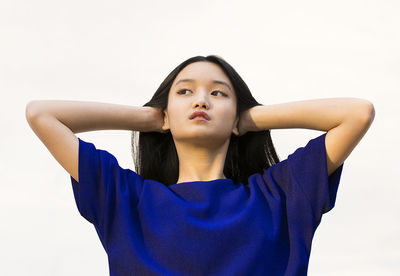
column 209, row 195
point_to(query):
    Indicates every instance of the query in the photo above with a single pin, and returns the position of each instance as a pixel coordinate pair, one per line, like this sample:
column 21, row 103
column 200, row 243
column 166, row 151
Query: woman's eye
column 179, row 92
column 182, row 92
column 223, row 94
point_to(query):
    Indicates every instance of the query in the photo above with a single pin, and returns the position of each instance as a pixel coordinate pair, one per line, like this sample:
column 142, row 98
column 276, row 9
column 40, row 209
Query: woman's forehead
column 202, row 72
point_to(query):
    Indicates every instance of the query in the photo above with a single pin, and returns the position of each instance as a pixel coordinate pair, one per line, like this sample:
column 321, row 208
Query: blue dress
column 215, row 227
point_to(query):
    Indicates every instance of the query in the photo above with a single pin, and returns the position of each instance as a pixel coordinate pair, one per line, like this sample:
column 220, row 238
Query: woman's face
column 201, row 93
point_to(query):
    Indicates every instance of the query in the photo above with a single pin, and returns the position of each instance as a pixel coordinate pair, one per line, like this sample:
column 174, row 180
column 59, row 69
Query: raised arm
column 346, row 121
column 55, row 122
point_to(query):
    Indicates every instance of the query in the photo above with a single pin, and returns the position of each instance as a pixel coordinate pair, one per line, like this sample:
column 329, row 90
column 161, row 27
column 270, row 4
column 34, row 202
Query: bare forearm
column 318, row 114
column 82, row 116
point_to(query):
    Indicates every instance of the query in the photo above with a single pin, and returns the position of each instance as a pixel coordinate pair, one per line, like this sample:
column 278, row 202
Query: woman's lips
column 199, row 113
column 199, row 118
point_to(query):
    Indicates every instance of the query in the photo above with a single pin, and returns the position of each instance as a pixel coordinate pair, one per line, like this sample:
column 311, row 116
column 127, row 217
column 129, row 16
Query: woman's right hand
column 157, row 119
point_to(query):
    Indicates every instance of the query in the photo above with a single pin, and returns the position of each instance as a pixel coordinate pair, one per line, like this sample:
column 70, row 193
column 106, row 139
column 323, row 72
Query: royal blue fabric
column 215, row 227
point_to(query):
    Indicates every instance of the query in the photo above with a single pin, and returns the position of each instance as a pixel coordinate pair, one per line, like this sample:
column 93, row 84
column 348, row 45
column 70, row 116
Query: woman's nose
column 201, row 100
column 201, row 104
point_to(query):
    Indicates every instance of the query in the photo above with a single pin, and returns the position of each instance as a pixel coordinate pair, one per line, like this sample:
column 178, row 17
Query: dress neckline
column 203, row 182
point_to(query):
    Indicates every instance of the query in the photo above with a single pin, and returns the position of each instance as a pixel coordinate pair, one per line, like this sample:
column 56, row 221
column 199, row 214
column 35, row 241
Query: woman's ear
column 235, row 130
column 165, row 126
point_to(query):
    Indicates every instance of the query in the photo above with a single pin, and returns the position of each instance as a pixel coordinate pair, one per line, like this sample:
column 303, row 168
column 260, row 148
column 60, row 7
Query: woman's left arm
column 346, row 120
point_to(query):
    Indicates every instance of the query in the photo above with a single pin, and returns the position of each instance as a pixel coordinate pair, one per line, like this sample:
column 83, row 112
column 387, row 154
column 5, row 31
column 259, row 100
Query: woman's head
column 201, row 86
column 155, row 155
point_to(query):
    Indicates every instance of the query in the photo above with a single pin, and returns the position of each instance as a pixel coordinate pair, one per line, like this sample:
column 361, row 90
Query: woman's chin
column 202, row 135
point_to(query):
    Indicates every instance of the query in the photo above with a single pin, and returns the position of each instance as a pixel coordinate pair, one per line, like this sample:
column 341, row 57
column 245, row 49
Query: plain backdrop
column 120, row 51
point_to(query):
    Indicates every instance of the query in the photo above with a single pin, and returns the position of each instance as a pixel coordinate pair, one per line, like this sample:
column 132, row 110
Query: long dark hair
column 155, row 155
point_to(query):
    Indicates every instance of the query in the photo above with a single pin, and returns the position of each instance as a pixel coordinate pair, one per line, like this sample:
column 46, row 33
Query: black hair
column 154, row 153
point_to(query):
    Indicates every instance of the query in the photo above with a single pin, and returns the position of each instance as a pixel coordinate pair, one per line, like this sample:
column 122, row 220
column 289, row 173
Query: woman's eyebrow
column 214, row 81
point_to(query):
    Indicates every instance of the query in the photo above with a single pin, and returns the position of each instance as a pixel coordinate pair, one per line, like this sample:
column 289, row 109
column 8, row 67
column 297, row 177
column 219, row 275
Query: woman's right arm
column 55, row 122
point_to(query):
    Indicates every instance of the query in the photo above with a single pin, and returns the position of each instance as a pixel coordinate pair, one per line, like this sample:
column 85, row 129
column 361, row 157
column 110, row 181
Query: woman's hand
column 156, row 119
column 243, row 124
column 246, row 120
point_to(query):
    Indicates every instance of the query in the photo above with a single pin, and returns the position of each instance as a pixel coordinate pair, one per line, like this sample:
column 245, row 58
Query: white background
column 120, row 51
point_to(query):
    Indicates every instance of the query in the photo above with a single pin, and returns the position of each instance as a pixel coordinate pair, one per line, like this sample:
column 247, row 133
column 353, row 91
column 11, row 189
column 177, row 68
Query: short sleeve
column 308, row 170
column 104, row 188
column 304, row 181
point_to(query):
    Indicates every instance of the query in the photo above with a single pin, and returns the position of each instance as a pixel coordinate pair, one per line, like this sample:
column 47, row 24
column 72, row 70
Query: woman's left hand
column 243, row 122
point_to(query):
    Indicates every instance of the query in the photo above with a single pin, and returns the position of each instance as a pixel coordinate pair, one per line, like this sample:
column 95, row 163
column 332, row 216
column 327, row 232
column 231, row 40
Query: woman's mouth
column 199, row 115
column 199, row 118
